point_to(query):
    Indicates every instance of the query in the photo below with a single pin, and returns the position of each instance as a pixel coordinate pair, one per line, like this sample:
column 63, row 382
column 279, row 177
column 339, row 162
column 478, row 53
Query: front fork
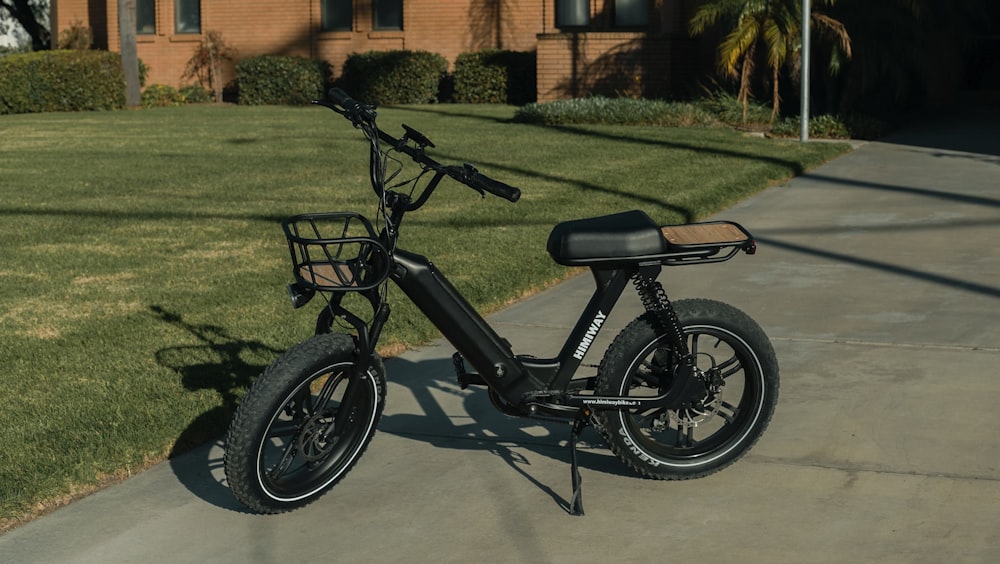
column 365, row 342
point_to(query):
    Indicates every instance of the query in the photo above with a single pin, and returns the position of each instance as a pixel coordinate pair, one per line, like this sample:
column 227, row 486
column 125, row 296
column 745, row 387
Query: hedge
column 495, row 76
column 66, row 81
column 394, row 77
column 616, row 111
column 161, row 96
column 280, row 80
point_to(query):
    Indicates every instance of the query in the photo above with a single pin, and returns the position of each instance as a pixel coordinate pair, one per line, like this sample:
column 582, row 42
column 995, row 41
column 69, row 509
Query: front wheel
column 739, row 373
column 297, row 433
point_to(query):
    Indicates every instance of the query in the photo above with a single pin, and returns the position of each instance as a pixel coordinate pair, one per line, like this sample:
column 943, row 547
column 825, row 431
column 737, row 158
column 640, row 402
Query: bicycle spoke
column 729, row 367
column 321, row 399
column 646, row 418
column 283, row 429
column 728, row 412
column 286, row 461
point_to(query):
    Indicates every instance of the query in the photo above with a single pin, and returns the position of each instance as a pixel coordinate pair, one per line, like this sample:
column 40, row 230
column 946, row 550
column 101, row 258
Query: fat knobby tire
column 269, row 398
column 656, row 449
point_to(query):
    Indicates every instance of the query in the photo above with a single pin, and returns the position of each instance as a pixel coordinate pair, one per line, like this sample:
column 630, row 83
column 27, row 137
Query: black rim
column 718, row 422
column 299, row 454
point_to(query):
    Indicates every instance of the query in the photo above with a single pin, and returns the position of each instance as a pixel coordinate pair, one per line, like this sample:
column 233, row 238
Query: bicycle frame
column 532, row 386
column 529, row 386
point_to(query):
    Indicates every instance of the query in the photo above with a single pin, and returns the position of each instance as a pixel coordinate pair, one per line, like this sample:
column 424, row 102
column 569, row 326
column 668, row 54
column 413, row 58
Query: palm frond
column 737, row 44
column 835, row 31
column 711, row 13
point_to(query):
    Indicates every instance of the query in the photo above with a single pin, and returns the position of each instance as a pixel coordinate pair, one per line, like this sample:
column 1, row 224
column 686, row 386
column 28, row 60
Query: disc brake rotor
column 313, row 440
column 702, row 410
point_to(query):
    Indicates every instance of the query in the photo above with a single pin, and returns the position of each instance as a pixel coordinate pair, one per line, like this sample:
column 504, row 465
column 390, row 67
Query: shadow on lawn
column 793, row 166
column 222, row 363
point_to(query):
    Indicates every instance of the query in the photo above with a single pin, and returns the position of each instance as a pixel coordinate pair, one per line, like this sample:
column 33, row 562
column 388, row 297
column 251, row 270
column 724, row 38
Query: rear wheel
column 739, row 372
column 296, row 434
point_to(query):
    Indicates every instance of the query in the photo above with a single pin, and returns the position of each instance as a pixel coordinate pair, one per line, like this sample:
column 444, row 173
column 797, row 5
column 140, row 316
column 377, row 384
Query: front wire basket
column 335, row 252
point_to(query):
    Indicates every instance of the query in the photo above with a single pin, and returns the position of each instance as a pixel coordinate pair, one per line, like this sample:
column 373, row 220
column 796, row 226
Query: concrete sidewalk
column 878, row 280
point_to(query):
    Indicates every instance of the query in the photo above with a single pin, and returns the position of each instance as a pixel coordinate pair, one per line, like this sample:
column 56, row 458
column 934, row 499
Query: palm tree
column 773, row 24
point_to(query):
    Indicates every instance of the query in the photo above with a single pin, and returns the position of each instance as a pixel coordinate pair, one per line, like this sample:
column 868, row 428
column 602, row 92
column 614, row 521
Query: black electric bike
column 683, row 391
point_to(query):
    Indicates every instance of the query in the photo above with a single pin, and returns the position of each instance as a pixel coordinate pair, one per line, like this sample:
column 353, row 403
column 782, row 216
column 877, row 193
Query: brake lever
column 468, row 173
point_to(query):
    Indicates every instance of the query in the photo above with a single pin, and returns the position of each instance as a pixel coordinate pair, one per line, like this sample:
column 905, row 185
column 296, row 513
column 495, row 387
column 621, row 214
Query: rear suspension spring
column 654, row 299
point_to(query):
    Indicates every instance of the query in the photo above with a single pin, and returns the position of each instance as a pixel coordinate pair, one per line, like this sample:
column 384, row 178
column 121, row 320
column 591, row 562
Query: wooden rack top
column 703, row 234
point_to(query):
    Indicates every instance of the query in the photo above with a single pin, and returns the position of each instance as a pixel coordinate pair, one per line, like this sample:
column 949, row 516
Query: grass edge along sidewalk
column 143, row 268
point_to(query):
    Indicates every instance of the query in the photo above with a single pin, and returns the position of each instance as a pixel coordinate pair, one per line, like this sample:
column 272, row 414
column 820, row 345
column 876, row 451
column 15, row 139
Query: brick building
column 629, row 47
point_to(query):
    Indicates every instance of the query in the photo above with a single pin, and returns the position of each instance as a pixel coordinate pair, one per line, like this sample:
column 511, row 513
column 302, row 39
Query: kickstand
column 576, row 502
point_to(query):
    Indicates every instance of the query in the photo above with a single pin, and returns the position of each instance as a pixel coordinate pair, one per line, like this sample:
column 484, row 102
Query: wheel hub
column 314, row 442
column 702, row 404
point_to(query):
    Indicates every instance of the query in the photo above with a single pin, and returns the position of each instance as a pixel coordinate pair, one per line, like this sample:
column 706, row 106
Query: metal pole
column 804, row 118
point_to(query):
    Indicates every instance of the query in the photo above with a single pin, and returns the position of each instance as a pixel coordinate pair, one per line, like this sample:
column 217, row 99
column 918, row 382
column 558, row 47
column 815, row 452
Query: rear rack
column 713, row 241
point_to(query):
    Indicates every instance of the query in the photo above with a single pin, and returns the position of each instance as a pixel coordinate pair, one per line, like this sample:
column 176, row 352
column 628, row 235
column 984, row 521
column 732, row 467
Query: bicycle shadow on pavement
column 438, row 412
column 424, row 403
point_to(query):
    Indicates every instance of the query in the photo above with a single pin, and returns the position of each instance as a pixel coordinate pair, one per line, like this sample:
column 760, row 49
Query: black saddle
column 609, row 240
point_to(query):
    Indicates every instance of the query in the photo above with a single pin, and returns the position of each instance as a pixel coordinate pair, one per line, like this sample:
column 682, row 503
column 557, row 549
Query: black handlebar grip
column 495, row 187
column 352, row 108
column 342, row 99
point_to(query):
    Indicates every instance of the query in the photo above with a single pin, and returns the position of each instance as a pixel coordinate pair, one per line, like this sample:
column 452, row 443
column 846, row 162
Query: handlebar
column 364, row 115
column 481, row 182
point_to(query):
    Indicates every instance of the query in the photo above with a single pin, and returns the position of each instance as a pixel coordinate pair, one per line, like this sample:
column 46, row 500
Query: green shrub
column 624, row 111
column 52, row 81
column 394, row 77
column 866, row 127
column 729, row 110
column 143, row 73
column 277, row 80
column 195, row 94
column 833, row 127
column 821, row 127
column 161, row 96
column 493, row 76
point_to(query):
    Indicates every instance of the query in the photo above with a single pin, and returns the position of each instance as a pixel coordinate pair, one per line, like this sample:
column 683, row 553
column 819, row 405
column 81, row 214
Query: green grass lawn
column 142, row 265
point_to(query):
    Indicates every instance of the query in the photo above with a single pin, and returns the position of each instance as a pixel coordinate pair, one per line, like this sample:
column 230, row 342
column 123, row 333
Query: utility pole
column 130, row 56
column 804, row 117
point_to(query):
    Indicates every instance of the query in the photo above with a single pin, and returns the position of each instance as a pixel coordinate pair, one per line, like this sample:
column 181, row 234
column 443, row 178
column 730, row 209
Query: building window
column 572, row 13
column 145, row 17
column 187, row 16
column 336, row 15
column 387, row 14
column 631, row 13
